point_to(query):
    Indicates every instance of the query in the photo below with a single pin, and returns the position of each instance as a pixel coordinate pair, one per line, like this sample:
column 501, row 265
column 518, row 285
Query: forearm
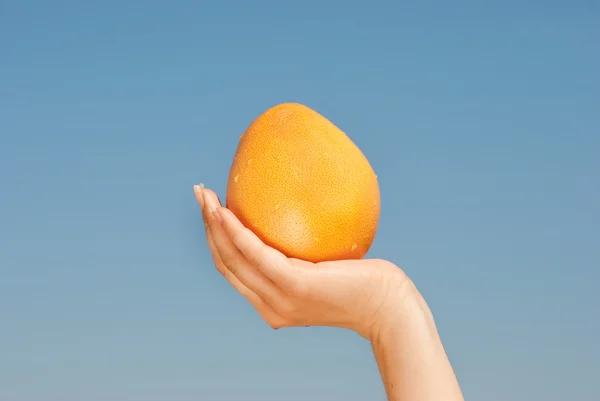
column 411, row 357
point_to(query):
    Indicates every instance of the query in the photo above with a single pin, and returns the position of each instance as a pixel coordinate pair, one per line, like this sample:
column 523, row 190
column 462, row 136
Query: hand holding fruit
column 302, row 211
column 372, row 297
column 353, row 294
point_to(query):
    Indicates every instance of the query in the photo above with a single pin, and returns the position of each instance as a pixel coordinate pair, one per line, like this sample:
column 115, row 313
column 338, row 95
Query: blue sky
column 480, row 118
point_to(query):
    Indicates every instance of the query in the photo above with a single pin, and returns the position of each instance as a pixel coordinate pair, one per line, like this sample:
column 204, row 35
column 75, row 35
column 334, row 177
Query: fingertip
column 198, row 189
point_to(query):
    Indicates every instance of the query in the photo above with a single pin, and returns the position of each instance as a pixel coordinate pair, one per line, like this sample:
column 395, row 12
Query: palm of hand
column 290, row 292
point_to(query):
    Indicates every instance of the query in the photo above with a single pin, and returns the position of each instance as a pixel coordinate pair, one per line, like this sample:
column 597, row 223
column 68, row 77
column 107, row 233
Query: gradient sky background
column 481, row 120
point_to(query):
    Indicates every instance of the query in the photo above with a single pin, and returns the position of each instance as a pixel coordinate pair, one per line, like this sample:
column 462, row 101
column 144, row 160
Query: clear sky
column 481, row 119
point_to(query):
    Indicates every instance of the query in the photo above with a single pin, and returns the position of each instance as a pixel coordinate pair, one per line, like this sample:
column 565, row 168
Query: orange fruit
column 303, row 187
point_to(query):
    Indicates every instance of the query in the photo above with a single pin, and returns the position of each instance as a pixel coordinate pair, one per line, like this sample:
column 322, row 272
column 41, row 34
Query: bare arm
column 411, row 357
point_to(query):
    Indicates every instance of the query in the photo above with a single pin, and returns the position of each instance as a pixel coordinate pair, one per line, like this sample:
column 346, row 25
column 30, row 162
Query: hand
column 352, row 294
column 372, row 297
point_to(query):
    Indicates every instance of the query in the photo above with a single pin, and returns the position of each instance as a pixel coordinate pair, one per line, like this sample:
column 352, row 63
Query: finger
column 271, row 262
column 233, row 260
column 252, row 297
column 198, row 192
column 266, row 312
column 269, row 315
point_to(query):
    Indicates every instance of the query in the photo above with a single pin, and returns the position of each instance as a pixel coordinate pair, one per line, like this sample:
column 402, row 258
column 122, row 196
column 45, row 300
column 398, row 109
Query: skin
column 372, row 297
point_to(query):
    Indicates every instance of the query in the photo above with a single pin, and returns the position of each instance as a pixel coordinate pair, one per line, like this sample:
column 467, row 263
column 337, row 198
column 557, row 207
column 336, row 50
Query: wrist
column 408, row 350
column 403, row 309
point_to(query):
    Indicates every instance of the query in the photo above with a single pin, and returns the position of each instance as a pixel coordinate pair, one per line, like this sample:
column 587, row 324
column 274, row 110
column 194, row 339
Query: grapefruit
column 303, row 187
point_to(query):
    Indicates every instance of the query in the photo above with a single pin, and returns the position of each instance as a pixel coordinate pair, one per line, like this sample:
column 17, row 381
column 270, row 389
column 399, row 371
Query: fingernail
column 199, row 189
